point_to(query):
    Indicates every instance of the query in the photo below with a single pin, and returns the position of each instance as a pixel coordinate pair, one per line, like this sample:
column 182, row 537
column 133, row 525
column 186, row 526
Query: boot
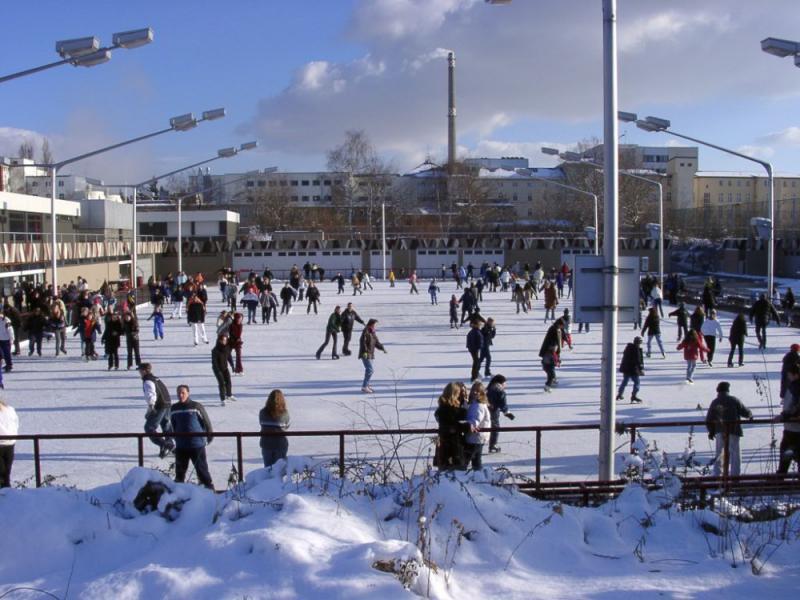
column 635, row 399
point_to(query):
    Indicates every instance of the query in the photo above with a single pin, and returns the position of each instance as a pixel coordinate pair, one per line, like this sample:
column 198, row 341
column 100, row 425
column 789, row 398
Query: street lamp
column 611, row 240
column 181, row 123
column 222, row 153
column 782, row 48
column 655, row 124
column 86, row 51
column 575, row 157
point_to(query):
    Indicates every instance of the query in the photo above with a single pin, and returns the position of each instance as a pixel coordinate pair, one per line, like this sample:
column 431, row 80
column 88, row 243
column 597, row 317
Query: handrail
column 621, row 428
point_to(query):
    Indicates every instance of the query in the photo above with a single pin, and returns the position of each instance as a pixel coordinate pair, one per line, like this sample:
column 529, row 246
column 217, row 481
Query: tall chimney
column 451, row 111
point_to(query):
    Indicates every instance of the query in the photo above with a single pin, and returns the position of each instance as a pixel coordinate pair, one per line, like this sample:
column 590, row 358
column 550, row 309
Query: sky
column 297, row 75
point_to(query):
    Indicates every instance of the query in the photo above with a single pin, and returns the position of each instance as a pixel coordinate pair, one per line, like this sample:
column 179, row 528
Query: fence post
column 140, row 445
column 633, row 437
column 538, row 457
column 239, row 458
column 341, row 455
column 37, row 462
column 725, row 458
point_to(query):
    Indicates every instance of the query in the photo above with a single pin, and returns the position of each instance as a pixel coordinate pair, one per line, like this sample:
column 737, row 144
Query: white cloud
column 11, row 138
column 760, row 152
column 529, row 150
column 667, row 27
column 395, row 19
column 789, row 136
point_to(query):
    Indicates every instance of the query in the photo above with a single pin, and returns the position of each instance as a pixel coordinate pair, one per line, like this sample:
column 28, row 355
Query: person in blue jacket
column 188, row 416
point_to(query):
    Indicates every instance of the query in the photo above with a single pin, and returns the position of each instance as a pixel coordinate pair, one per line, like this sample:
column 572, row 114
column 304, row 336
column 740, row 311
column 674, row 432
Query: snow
column 297, row 531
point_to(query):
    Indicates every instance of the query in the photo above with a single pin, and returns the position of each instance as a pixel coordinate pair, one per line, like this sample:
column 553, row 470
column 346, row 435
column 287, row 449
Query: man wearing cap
column 722, row 420
column 158, row 409
column 631, row 367
column 366, row 351
column 792, row 357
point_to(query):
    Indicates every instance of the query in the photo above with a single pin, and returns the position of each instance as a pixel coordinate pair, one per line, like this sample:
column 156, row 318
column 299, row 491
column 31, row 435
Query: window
column 262, row 183
column 294, row 182
column 272, row 183
column 514, row 197
column 721, row 182
column 707, row 199
column 327, row 182
column 738, row 197
column 305, row 182
column 730, row 197
column 305, row 198
column 530, row 197
column 337, row 182
column 721, row 197
column 738, row 183
column 35, row 184
column 295, row 198
column 730, row 183
column 283, row 183
column 328, row 198
column 315, row 198
column 251, row 183
column 61, row 196
column 682, row 164
column 61, row 183
column 222, row 228
column 747, row 197
column 316, row 182
column 784, row 183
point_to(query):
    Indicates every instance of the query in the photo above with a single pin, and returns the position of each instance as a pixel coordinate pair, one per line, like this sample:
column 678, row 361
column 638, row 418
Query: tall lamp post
column 222, row 153
column 86, row 52
column 180, row 123
column 610, row 240
column 574, row 157
column 655, row 124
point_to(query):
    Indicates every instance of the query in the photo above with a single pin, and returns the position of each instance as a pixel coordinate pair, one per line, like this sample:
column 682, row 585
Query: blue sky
column 296, row 75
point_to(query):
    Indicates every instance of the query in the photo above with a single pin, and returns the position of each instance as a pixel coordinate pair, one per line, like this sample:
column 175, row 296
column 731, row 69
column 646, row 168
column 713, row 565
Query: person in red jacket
column 235, row 341
column 692, row 346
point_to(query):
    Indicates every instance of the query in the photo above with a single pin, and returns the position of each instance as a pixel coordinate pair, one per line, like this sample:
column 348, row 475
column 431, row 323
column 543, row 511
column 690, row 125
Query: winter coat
column 452, row 427
column 632, row 362
column 762, row 310
column 478, row 416
column 195, row 311
column 474, row 340
column 219, row 357
column 368, row 344
column 652, row 324
column 738, row 330
column 550, row 297
column 488, row 331
column 130, row 329
column 497, row 399
column 313, row 294
column 36, row 324
column 113, row 334
column 235, row 334
column 287, row 294
column 682, row 314
column 348, row 319
column 9, row 424
column 551, row 338
column 724, row 413
column 269, row 424
column 691, row 349
column 789, row 359
column 156, row 393
column 790, row 413
column 696, row 320
column 190, row 417
column 334, row 323
column 712, row 328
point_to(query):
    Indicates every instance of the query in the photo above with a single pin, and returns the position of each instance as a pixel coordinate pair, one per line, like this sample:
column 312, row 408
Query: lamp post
column 574, row 157
column 222, row 153
column 180, row 123
column 86, row 52
column 655, row 124
column 610, row 240
column 782, row 48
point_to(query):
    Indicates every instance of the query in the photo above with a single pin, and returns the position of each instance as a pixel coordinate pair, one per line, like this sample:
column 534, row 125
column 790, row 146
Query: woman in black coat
column 451, row 415
column 736, row 337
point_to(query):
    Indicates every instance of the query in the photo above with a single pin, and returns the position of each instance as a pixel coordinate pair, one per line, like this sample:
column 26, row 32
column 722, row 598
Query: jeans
column 690, row 367
column 711, row 342
column 158, row 330
column 61, row 340
column 581, row 326
column 368, row 371
column 624, row 384
column 735, row 345
column 658, row 341
column 35, row 343
column 132, row 346
column 6, row 460
column 494, row 413
column 474, row 454
column 789, row 450
column 551, row 312
column 476, row 365
column 310, row 304
column 223, row 382
column 434, row 300
column 486, row 354
column 154, row 419
column 734, row 454
column 251, row 313
column 198, row 458
column 328, row 335
column 347, row 335
column 550, row 371
column 657, row 303
column 761, row 334
column 278, row 451
column 5, row 349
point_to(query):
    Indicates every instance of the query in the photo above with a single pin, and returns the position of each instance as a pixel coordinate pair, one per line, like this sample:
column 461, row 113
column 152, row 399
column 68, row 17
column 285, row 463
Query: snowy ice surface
column 67, row 395
column 295, row 532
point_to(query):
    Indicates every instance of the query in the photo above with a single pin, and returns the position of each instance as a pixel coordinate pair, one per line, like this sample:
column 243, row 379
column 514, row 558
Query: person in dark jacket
column 287, row 295
column 697, row 318
column 468, row 303
column 553, row 337
column 792, row 357
column 498, row 403
column 683, row 320
column 790, row 417
column 454, row 322
column 274, row 419
column 57, row 323
column 196, row 317
column 35, row 326
column 158, row 409
column 722, row 421
column 220, row 357
column 632, row 368
column 474, row 346
column 736, row 335
column 113, row 338
column 130, row 327
column 652, row 325
column 188, row 416
column 709, row 300
column 312, row 295
column 488, row 331
column 332, row 329
column 235, row 341
column 451, row 416
column 349, row 318
column 339, row 279
column 367, row 345
column 788, row 303
column 761, row 311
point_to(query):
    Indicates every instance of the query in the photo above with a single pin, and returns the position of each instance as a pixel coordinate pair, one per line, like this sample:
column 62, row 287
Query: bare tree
column 47, row 155
column 26, row 149
column 271, row 210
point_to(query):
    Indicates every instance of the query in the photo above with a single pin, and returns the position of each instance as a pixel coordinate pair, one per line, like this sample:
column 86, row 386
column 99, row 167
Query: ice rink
column 68, row 395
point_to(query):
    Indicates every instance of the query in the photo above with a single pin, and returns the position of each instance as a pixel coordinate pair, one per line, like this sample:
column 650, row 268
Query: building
column 195, row 224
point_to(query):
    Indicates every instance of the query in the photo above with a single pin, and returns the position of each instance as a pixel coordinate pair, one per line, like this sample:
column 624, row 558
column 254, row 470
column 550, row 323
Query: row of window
column 292, row 182
column 301, row 253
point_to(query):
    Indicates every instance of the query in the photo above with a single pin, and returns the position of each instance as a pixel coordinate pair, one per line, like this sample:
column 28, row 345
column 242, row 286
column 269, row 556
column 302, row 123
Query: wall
column 207, row 264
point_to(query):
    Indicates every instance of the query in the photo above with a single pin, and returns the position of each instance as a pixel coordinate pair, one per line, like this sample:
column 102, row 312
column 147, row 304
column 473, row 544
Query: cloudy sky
column 296, row 75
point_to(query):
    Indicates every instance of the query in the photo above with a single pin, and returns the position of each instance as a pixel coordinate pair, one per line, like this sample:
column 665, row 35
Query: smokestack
column 451, row 111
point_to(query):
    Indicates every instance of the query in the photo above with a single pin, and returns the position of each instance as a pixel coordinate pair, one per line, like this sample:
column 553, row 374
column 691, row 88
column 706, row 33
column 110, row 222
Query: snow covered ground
column 297, row 532
column 67, row 395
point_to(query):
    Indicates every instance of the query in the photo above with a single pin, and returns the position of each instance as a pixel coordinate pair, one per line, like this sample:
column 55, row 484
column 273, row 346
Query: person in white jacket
column 712, row 331
column 480, row 419
column 6, row 341
column 9, row 425
column 657, row 299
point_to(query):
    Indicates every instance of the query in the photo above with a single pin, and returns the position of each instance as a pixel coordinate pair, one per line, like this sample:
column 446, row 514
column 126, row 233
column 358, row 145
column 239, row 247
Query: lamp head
column 133, row 38
column 92, row 59
column 77, row 47
column 212, row 115
column 645, row 126
column 248, row 146
column 183, row 122
column 661, row 124
column 227, row 152
column 572, row 156
column 626, row 117
column 550, row 151
column 780, row 48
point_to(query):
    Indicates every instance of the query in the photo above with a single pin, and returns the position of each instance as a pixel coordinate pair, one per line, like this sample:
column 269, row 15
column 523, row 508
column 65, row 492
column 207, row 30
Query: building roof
column 729, row 174
column 38, row 204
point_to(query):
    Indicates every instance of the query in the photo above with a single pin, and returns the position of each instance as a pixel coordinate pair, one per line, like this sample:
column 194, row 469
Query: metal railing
column 623, row 428
column 44, row 237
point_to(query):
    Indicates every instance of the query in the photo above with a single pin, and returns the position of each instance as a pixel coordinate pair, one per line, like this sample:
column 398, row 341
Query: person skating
column 697, row 318
column 158, row 322
column 683, row 320
column 287, row 295
column 250, row 302
column 392, row 278
column 792, row 357
column 632, row 368
column 9, row 425
column 412, row 280
column 518, row 295
column 332, row 330
column 196, row 317
column 451, row 417
column 349, row 318
column 498, row 403
column 652, row 325
column 474, row 345
column 339, row 283
column 433, row 290
column 549, row 360
column 235, row 341
column 736, row 335
column 113, row 339
column 790, row 417
column 158, row 409
column 712, row 332
column 788, row 303
column 130, row 327
column 692, row 347
column 274, row 420
column 722, row 421
column 355, row 281
column 480, row 420
column 761, row 311
column 57, row 323
column 550, row 300
column 35, row 327
column 88, row 329
column 366, row 351
column 177, row 302
column 312, row 295
column 454, row 322
column 489, row 331
column 220, row 357
column 188, row 416
column 468, row 304
column 6, row 341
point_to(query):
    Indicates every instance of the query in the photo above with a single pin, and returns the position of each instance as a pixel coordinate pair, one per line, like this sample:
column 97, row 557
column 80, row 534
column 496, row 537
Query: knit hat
column 795, row 348
column 723, row 386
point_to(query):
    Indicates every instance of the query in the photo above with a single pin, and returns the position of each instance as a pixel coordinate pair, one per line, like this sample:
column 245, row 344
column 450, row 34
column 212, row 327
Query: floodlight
column 77, row 47
column 133, row 38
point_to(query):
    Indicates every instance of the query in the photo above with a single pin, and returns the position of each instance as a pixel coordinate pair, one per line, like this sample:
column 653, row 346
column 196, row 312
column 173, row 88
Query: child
column 549, row 361
column 567, row 327
column 454, row 321
column 158, row 323
column 479, row 419
column 497, row 404
column 433, row 289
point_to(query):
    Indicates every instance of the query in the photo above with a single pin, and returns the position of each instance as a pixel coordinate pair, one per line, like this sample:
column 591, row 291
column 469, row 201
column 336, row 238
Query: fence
column 631, row 429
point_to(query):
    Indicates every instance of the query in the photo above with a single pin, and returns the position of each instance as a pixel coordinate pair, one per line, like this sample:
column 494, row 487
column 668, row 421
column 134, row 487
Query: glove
column 711, row 436
column 365, row 355
column 510, row 416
